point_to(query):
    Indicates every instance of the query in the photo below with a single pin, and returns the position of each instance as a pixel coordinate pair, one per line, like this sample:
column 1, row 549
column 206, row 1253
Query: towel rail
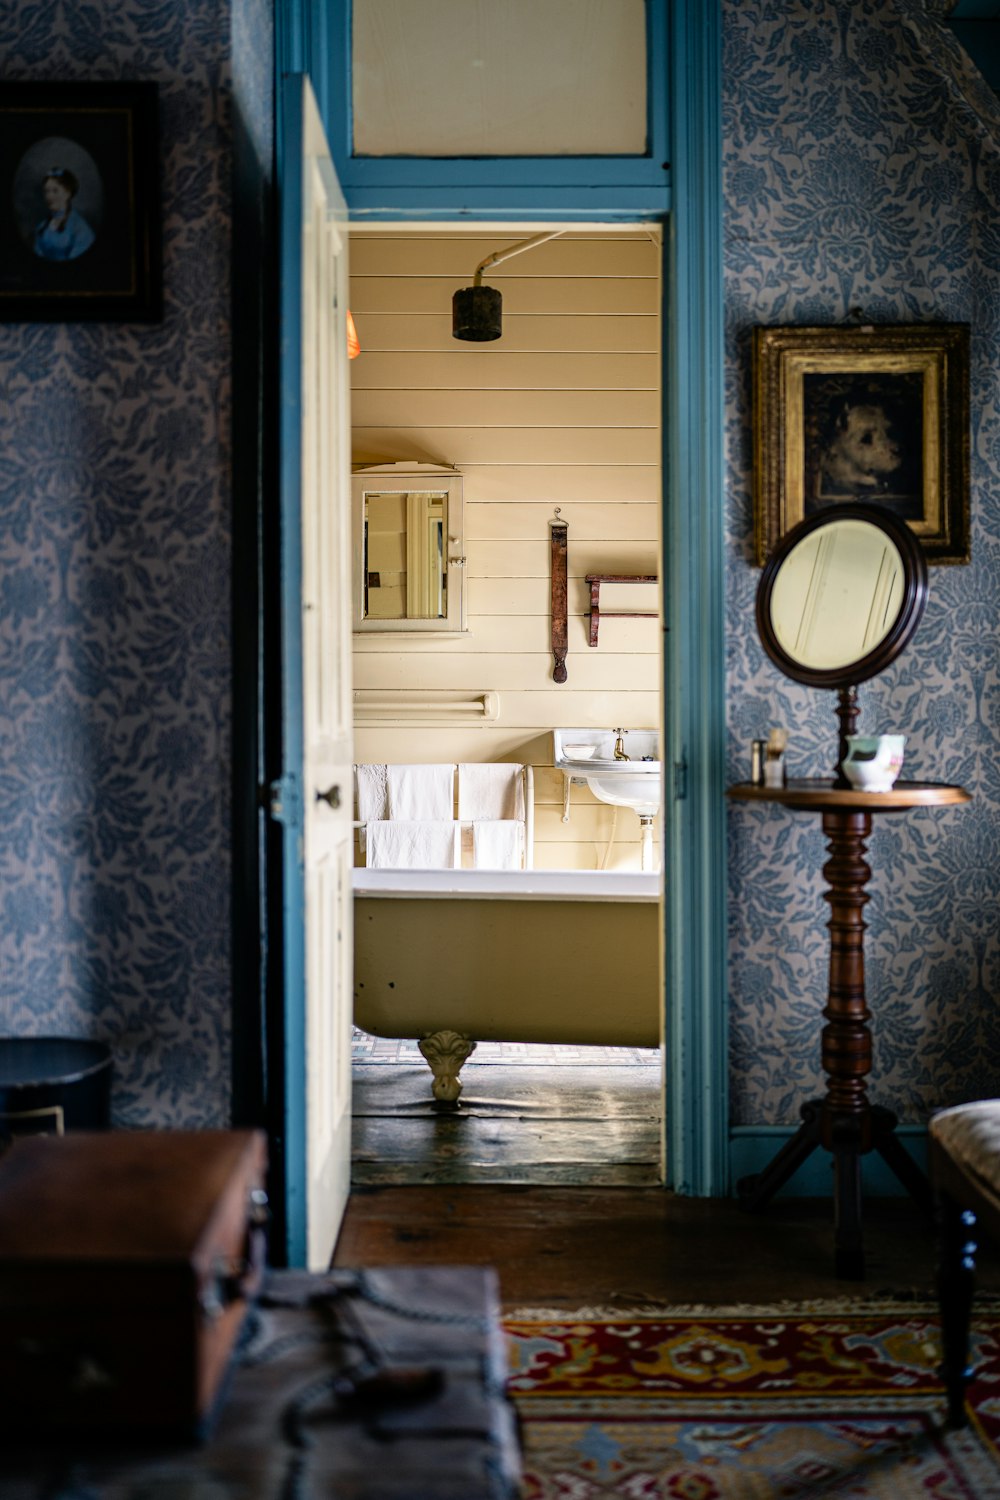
column 407, row 704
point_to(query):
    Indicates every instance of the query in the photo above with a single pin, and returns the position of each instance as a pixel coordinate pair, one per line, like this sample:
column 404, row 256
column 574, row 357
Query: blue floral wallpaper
column 862, row 172
column 114, row 606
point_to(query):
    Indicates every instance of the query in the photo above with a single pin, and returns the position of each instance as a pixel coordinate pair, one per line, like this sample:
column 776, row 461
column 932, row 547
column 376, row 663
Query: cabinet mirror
column 408, row 565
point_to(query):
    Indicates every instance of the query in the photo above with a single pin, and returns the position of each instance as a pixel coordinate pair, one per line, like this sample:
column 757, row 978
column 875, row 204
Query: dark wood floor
column 550, row 1173
column 593, row 1125
column 568, row 1247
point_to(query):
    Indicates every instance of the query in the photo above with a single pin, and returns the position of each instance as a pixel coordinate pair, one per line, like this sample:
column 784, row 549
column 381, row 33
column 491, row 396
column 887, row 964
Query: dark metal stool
column 50, row 1084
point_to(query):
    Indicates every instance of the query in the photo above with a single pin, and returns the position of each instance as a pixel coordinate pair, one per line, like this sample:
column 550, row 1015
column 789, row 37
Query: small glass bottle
column 774, row 770
column 757, row 748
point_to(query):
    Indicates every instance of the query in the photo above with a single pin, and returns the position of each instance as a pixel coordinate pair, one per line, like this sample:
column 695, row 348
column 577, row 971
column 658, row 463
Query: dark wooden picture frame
column 878, row 414
column 79, row 203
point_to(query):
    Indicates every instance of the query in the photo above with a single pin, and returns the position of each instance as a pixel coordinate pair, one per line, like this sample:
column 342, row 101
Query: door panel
column 315, row 479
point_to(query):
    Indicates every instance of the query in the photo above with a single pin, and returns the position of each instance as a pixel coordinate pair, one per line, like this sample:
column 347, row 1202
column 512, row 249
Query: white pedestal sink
column 588, row 756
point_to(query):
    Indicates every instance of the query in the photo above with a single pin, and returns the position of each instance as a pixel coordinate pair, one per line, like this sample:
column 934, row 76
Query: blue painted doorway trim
column 685, row 43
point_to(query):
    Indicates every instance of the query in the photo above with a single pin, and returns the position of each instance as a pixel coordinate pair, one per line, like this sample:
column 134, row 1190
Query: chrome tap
column 620, row 746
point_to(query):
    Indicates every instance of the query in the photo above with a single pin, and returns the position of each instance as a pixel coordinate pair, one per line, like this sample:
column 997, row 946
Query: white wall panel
column 521, row 294
column 467, row 366
column 558, row 333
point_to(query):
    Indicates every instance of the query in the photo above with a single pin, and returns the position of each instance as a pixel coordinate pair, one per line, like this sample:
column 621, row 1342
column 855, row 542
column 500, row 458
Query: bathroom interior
column 541, row 450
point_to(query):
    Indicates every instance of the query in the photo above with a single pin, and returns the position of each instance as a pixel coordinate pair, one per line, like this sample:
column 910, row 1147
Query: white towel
column 489, row 790
column 413, row 844
column 422, row 792
column 497, row 844
column 373, row 793
column 373, row 797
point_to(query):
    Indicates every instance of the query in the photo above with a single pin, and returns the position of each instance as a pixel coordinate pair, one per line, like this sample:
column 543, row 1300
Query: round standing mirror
column 839, row 599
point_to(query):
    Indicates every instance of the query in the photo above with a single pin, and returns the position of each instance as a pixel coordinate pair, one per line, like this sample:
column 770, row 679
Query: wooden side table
column 844, row 1122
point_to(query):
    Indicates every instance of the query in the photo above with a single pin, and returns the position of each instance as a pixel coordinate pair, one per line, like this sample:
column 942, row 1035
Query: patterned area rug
column 751, row 1404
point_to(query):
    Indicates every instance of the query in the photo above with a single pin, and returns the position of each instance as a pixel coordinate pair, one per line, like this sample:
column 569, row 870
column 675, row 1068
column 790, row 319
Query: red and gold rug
column 751, row 1404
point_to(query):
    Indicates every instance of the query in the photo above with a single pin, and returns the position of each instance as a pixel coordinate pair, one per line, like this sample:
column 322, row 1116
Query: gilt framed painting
column 878, row 413
column 79, row 203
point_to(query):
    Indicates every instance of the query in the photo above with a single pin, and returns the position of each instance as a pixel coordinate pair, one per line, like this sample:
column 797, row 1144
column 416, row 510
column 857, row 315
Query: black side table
column 50, row 1084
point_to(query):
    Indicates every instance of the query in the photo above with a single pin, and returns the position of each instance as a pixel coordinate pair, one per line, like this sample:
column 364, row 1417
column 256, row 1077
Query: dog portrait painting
column 863, row 441
column 876, row 413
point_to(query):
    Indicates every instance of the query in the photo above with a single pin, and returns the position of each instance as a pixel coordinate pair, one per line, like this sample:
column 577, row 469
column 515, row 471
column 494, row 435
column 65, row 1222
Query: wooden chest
column 126, row 1263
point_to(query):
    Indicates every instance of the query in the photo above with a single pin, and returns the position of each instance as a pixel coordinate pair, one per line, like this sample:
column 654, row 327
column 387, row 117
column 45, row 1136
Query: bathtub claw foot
column 445, row 1052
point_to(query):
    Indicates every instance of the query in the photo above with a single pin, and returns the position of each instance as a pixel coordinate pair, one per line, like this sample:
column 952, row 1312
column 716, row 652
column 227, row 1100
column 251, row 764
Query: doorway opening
column 559, row 420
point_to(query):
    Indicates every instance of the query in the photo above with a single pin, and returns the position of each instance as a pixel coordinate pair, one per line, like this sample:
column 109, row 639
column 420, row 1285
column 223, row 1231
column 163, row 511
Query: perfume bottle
column 757, row 748
column 775, row 770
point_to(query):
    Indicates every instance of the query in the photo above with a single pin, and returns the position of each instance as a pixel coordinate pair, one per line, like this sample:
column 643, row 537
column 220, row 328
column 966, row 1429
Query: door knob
column 331, row 796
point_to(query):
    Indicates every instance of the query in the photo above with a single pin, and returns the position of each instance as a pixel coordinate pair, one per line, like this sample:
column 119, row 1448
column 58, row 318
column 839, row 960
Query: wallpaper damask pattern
column 862, row 179
column 858, row 175
column 114, row 608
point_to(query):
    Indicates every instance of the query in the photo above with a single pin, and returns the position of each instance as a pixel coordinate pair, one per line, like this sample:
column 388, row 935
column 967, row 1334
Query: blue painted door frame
column 678, row 181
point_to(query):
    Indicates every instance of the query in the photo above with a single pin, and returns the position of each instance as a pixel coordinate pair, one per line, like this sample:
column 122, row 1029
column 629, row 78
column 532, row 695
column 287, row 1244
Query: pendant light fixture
column 477, row 310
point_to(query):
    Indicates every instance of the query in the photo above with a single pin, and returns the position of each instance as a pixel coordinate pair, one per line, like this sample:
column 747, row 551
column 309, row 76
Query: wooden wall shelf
column 595, row 580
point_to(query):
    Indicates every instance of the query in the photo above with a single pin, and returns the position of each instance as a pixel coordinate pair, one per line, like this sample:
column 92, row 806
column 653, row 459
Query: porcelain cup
column 874, row 761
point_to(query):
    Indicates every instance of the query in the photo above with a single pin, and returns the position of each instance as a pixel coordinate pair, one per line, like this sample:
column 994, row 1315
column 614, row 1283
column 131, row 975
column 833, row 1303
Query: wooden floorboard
column 569, row 1247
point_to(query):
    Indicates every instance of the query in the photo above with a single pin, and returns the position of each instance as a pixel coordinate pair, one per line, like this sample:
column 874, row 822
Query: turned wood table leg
column 845, row 1123
column 846, row 1039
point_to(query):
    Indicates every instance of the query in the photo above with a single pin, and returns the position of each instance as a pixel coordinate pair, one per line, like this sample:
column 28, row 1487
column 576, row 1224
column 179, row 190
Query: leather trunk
column 127, row 1260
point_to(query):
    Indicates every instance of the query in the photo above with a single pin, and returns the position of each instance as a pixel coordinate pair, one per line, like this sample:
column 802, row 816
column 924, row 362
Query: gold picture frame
column 877, row 413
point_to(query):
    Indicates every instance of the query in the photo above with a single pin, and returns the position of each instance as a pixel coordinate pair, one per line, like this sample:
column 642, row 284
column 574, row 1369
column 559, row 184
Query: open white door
column 315, row 797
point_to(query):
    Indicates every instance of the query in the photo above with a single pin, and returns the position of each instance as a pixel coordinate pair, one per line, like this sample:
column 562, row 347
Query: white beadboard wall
column 563, row 410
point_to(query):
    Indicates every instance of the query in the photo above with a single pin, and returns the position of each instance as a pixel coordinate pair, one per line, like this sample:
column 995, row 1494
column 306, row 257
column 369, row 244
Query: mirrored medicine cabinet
column 409, row 563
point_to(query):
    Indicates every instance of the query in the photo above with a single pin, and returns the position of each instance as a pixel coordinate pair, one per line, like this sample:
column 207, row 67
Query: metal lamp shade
column 476, row 314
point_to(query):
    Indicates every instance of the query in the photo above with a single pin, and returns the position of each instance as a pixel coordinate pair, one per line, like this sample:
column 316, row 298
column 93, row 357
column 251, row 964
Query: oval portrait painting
column 58, row 199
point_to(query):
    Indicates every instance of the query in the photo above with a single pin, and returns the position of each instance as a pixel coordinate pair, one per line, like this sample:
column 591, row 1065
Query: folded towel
column 490, row 790
column 373, row 792
column 414, row 844
column 422, row 792
column 497, row 844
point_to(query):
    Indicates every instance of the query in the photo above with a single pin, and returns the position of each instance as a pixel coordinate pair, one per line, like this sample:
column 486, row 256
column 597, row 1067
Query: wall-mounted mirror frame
column 421, row 572
column 903, row 596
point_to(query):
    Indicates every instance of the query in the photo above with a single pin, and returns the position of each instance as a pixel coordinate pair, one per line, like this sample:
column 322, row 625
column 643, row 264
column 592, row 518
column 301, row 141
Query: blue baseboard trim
column 752, row 1147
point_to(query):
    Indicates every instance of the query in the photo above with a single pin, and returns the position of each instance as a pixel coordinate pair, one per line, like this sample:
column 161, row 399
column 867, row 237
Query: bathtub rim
column 508, row 885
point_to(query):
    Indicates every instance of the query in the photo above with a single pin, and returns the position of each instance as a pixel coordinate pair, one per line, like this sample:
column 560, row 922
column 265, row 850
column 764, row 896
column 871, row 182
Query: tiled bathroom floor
column 529, row 1114
column 378, row 1049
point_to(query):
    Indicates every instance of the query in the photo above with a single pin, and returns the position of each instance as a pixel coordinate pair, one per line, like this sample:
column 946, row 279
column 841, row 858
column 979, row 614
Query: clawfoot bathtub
column 452, row 957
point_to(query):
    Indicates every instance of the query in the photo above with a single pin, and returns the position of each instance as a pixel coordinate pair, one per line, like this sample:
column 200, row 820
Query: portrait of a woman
column 63, row 233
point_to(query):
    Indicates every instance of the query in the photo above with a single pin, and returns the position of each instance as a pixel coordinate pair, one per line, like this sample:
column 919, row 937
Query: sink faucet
column 620, row 746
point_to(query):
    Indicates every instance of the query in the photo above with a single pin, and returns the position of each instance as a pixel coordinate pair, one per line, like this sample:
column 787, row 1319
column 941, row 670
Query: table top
column 818, row 794
column 38, row 1060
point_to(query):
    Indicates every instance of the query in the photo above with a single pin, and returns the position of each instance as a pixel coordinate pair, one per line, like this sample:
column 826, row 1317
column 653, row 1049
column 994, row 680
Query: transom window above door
column 471, row 78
